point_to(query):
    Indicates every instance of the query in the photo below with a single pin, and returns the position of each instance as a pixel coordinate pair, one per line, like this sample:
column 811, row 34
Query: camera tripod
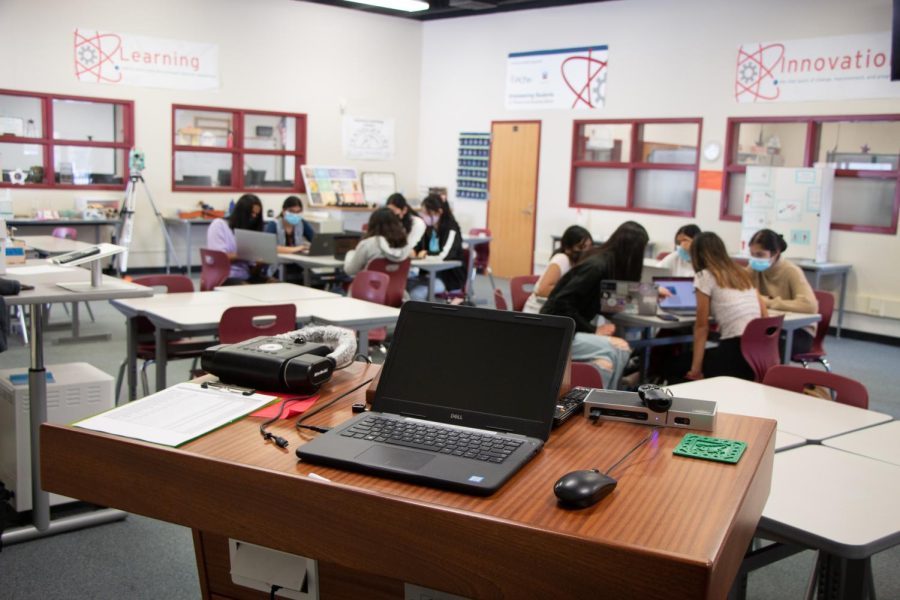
column 125, row 227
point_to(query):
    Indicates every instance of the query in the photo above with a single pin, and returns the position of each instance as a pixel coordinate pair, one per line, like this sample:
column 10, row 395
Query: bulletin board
column 332, row 186
column 472, row 166
column 793, row 202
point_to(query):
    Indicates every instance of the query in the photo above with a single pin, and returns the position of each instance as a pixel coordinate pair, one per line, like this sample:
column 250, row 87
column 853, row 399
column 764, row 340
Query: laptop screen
column 682, row 289
column 476, row 367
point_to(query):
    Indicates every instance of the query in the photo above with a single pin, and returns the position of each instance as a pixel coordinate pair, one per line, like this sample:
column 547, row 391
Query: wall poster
column 568, row 78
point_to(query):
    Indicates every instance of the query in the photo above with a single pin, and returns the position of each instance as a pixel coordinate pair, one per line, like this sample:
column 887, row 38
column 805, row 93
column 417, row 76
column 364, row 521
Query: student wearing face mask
column 575, row 241
column 247, row 214
column 678, row 263
column 412, row 223
column 293, row 233
column 443, row 240
column 781, row 283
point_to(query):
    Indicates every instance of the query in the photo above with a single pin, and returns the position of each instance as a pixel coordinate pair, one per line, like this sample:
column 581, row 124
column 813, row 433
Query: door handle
column 528, row 211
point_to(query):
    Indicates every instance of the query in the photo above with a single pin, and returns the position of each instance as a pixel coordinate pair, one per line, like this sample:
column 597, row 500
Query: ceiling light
column 405, row 5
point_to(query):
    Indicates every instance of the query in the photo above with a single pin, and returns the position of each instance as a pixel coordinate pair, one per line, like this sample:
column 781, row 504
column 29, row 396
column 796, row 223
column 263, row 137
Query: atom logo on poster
column 94, row 57
column 585, row 76
column 754, row 76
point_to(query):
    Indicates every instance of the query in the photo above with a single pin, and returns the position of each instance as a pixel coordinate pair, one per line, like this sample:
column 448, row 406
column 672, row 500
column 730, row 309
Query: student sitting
column 781, row 283
column 247, row 214
column 577, row 295
column 574, row 243
column 678, row 263
column 384, row 238
column 442, row 240
column 412, row 223
column 293, row 234
column 724, row 290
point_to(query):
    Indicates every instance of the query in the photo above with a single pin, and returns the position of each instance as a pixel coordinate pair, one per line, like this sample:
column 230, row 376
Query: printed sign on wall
column 826, row 68
column 368, row 139
column 122, row 58
column 567, row 78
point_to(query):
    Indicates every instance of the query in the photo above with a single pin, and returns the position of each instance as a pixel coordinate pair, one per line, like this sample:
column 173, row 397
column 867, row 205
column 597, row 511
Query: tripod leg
column 170, row 247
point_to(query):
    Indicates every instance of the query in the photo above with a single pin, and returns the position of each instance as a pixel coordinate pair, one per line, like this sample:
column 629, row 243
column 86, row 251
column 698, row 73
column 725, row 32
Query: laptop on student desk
column 627, row 297
column 321, row 245
column 256, row 246
column 682, row 299
column 463, row 413
column 344, row 243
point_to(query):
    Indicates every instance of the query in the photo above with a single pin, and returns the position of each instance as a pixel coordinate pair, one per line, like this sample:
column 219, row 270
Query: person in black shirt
column 442, row 239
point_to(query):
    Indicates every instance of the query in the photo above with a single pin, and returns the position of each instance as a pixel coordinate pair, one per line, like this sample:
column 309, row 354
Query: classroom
column 652, row 131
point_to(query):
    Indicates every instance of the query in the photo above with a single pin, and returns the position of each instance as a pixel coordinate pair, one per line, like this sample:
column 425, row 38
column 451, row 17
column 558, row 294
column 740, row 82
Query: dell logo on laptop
column 456, row 416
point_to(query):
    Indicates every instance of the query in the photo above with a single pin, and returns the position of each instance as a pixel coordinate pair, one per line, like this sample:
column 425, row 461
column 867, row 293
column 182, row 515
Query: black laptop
column 466, row 397
column 321, row 245
column 344, row 243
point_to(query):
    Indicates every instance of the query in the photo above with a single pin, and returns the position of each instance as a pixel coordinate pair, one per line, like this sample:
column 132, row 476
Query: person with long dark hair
column 247, row 214
column 781, row 283
column 573, row 244
column 384, row 238
column 442, row 240
column 577, row 295
column 678, row 263
column 412, row 223
column 292, row 231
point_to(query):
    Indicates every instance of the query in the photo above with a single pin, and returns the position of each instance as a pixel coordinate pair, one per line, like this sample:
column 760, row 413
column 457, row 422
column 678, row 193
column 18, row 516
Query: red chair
column 398, row 274
column 759, row 344
column 741, row 261
column 372, row 286
column 214, row 269
column 481, row 263
column 586, row 374
column 66, row 233
column 465, row 291
column 146, row 346
column 817, row 352
column 845, row 390
column 520, row 288
column 240, row 323
column 500, row 301
column 662, row 255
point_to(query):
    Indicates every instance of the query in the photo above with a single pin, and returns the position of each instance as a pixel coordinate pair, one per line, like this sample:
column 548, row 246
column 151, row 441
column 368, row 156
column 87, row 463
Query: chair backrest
column 847, row 391
column 662, row 255
column 741, row 261
column 759, row 344
column 482, row 251
column 68, row 233
column 500, row 301
column 240, row 323
column 826, row 308
column 371, row 286
column 398, row 274
column 214, row 269
column 174, row 284
column 520, row 288
column 585, row 374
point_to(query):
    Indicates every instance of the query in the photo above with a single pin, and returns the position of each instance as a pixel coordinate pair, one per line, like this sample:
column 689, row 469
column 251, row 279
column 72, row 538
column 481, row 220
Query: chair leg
column 805, row 364
column 870, row 580
column 119, row 379
column 825, row 364
column 20, row 312
column 490, row 274
column 145, row 383
column 87, row 305
column 811, row 587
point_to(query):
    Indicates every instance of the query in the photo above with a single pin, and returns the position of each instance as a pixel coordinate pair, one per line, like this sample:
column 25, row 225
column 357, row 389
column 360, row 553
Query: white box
column 79, row 391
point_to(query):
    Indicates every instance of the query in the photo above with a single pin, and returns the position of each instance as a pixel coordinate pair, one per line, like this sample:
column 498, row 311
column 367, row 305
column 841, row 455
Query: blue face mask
column 683, row 254
column 760, row 264
column 293, row 218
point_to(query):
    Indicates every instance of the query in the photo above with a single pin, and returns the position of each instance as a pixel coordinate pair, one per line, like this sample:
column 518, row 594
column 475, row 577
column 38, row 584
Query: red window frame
column 634, row 164
column 810, row 154
column 238, row 151
column 48, row 142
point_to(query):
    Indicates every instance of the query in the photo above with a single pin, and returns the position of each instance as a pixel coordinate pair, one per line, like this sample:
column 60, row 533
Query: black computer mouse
column 580, row 489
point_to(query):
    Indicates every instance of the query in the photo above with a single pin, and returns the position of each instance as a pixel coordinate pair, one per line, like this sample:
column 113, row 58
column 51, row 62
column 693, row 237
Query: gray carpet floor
column 144, row 558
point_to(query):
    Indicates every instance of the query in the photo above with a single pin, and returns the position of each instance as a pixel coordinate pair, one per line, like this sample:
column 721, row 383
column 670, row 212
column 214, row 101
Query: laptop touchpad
column 399, row 458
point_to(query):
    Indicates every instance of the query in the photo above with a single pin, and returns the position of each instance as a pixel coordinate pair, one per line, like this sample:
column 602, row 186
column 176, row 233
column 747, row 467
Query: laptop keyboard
column 443, row 440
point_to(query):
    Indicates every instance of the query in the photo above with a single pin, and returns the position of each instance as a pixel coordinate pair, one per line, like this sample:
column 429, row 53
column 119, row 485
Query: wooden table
column 674, row 528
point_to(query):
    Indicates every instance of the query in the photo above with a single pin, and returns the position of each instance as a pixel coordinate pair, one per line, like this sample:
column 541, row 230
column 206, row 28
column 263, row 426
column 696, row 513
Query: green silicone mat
column 710, row 448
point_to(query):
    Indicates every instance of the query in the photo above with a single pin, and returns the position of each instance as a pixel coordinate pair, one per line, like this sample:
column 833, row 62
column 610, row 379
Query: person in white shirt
column 575, row 241
column 412, row 223
column 678, row 263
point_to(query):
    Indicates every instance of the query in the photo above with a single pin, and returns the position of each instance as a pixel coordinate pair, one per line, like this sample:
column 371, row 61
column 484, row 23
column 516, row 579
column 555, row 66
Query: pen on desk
column 317, row 476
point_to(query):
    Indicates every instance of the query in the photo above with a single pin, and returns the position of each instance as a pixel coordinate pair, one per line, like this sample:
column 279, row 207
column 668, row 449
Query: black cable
column 365, row 357
column 274, row 589
column 634, row 449
column 298, row 424
column 268, row 435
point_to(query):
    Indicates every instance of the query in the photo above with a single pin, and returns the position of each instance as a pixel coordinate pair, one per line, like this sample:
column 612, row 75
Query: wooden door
column 512, row 203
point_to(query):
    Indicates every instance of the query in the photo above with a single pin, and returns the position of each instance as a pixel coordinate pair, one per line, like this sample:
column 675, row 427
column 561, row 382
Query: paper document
column 176, row 415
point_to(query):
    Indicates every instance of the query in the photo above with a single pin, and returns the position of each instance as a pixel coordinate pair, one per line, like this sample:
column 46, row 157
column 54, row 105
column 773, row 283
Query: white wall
column 667, row 59
column 277, row 55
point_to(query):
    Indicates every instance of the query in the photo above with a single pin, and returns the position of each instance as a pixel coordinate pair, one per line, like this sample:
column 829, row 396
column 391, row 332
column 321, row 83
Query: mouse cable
column 634, row 449
column 268, row 435
column 299, row 423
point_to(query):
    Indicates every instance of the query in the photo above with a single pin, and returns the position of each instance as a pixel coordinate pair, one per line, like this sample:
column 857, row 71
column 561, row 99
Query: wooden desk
column 674, row 528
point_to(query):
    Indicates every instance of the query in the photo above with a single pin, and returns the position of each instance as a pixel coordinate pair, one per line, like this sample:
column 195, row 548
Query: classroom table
column 50, row 224
column 815, row 271
column 881, row 442
column 184, row 229
column 433, row 266
column 369, row 535
column 50, row 245
column 276, row 293
column 843, row 505
column 309, row 263
column 45, row 279
column 356, row 314
column 476, row 240
column 811, row 418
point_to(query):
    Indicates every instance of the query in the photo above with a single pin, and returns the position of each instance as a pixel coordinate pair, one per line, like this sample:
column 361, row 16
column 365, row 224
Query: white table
column 46, row 291
column 811, row 418
column 476, row 240
column 356, row 314
column 881, row 442
column 311, row 262
column 433, row 267
column 47, row 244
column 276, row 293
column 840, row 503
column 815, row 271
column 185, row 228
